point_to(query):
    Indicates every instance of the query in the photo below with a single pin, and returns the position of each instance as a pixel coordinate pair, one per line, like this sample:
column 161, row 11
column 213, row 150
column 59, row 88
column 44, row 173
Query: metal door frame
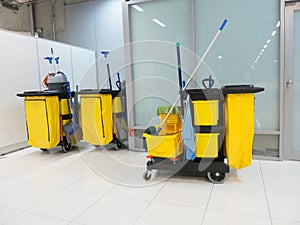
column 287, row 59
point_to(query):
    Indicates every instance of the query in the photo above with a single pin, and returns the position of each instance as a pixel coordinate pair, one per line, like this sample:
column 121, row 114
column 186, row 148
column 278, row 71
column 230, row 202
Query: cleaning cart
column 218, row 124
column 97, row 107
column 50, row 113
column 99, row 111
column 223, row 123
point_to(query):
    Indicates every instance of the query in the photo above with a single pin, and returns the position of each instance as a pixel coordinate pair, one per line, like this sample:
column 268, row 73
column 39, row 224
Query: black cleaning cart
column 217, row 135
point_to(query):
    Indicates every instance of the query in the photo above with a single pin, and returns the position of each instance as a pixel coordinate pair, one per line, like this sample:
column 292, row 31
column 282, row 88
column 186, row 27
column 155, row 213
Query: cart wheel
column 118, row 145
column 150, row 162
column 44, row 149
column 66, row 148
column 147, row 175
column 216, row 177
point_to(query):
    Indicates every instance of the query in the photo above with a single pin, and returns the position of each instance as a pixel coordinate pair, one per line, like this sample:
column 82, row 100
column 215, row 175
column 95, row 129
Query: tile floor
column 106, row 187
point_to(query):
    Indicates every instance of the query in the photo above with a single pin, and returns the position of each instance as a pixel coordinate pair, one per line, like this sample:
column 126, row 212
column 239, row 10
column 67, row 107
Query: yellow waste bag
column 43, row 121
column 239, row 115
column 96, row 118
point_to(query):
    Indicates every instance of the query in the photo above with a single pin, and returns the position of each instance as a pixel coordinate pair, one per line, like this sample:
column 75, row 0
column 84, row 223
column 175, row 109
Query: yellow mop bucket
column 164, row 146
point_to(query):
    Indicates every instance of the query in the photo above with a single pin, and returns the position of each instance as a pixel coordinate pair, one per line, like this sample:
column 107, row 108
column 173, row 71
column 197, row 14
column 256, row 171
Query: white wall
column 80, row 24
column 22, row 69
column 84, row 68
column 98, row 25
column 95, row 25
column 109, row 24
column 19, row 72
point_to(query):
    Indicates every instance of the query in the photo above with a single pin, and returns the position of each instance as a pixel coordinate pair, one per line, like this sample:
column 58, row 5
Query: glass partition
column 154, row 69
column 248, row 50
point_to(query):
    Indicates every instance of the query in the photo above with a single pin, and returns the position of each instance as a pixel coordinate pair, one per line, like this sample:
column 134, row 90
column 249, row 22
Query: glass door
column 292, row 81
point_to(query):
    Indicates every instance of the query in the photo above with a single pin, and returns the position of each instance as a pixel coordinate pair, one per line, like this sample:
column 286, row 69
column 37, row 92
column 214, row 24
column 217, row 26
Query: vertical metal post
column 31, row 16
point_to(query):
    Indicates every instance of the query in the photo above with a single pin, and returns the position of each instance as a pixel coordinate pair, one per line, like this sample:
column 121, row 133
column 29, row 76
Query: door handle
column 289, row 83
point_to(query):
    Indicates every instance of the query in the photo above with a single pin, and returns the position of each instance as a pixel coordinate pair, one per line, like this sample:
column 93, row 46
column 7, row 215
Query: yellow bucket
column 164, row 146
column 206, row 112
column 206, row 145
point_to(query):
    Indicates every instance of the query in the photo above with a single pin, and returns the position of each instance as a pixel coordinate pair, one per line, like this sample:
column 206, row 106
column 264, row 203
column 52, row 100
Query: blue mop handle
column 193, row 74
column 223, row 24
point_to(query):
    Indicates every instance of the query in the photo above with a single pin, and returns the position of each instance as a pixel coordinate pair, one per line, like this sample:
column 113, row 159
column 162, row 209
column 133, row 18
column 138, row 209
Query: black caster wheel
column 118, row 145
column 216, row 177
column 150, row 162
column 44, row 149
column 147, row 175
column 66, row 148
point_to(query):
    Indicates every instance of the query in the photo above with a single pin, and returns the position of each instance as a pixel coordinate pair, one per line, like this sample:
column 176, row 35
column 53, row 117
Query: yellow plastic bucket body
column 239, row 116
column 206, row 145
column 96, row 118
column 43, row 121
column 206, row 112
column 164, row 146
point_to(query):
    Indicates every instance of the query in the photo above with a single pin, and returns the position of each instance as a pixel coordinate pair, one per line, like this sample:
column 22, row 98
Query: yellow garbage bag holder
column 239, row 116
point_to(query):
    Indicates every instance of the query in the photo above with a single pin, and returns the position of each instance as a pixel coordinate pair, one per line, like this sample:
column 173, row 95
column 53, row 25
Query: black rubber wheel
column 147, row 175
column 216, row 177
column 66, row 147
column 150, row 162
column 44, row 149
column 118, row 145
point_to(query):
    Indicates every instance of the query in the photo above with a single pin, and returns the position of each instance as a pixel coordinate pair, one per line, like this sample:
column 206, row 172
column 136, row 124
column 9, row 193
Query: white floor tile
column 34, row 219
column 59, row 177
column 78, row 165
column 66, row 204
column 109, row 165
column 281, row 176
column 284, row 222
column 34, row 163
column 192, row 192
column 147, row 192
column 113, row 210
column 162, row 214
column 213, row 217
column 248, row 178
column 284, row 206
column 22, row 195
column 7, row 214
column 246, row 201
column 93, row 183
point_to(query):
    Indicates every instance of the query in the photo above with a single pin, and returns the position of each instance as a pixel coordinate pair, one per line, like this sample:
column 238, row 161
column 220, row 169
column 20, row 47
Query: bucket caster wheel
column 216, row 177
column 44, row 149
column 147, row 175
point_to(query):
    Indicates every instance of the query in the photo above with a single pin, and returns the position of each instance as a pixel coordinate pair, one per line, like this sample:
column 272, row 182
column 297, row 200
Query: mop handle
column 205, row 53
column 194, row 72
